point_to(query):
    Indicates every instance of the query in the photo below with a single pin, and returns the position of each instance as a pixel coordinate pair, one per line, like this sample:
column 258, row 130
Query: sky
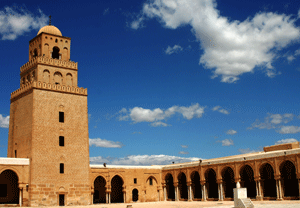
column 169, row 80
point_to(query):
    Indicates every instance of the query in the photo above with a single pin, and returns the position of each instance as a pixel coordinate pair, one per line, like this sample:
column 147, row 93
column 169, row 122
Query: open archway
column 268, row 181
column 135, row 195
column 55, row 53
column 228, row 182
column 170, row 187
column 117, row 190
column 99, row 190
column 183, row 193
column 196, row 187
column 289, row 180
column 9, row 190
column 211, row 184
column 247, row 181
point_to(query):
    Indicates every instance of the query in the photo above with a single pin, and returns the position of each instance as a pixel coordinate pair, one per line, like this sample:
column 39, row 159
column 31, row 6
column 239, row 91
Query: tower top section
column 50, row 29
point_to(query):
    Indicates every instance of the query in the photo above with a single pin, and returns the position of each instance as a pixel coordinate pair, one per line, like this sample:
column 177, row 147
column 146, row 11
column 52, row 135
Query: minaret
column 49, row 123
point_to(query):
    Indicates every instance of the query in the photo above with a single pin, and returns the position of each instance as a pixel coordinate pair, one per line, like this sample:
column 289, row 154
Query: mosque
column 48, row 164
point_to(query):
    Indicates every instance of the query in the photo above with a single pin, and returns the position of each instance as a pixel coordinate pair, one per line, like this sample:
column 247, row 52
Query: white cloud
column 290, row 58
column 105, row 143
column 245, row 151
column 17, row 21
column 106, row 11
column 183, row 153
column 138, row 23
column 299, row 13
column 184, row 146
column 4, row 121
column 231, row 48
column 289, row 130
column 231, row 132
column 142, row 160
column 174, row 49
column 283, row 141
column 272, row 121
column 155, row 116
column 220, row 109
column 227, row 142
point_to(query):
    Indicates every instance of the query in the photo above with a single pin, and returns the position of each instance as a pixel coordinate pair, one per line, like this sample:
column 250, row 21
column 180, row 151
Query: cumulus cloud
column 226, row 142
column 272, row 121
column 105, row 143
column 231, row 132
column 15, row 21
column 174, row 49
column 142, row 160
column 289, row 129
column 184, row 146
column 220, row 109
column 155, row 116
column 4, row 121
column 231, row 48
column 283, row 141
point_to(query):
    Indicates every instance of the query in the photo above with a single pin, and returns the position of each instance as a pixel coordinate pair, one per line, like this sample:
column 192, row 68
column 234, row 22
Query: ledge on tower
column 287, row 146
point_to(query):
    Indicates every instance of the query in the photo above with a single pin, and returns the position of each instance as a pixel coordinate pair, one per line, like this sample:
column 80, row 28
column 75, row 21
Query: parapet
column 50, row 87
column 287, row 146
column 49, row 61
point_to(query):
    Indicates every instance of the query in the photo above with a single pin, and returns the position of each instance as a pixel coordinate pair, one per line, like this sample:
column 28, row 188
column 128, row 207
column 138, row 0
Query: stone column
column 158, row 196
column 190, row 193
column 222, row 194
column 124, row 196
column 259, row 196
column 177, row 193
column 278, row 187
column 20, row 196
column 165, row 193
column 204, row 192
column 280, row 190
column 109, row 199
column 106, row 198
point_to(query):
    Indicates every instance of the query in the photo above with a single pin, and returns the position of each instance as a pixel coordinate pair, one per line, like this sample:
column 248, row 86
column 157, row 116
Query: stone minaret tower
column 49, row 123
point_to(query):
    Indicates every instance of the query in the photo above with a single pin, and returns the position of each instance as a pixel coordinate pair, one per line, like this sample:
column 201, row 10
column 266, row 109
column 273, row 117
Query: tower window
column 61, row 117
column 55, row 40
column 150, row 182
column 35, row 53
column 15, row 153
column 134, row 180
column 61, row 168
column 61, row 141
column 55, row 53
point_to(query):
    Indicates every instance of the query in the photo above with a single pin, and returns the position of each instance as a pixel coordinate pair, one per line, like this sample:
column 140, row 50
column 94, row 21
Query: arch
column 151, row 177
column 57, row 78
column 247, row 180
column 28, row 78
column 135, row 195
column 99, row 190
column 183, row 193
column 69, row 79
column 46, row 76
column 228, row 182
column 268, row 181
column 46, row 49
column 35, row 53
column 117, row 189
column 289, row 179
column 55, row 52
column 196, row 187
column 212, row 186
column 65, row 53
column 170, row 187
column 9, row 186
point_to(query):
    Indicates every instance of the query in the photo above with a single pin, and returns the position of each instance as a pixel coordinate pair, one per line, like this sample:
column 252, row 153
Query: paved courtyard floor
column 199, row 204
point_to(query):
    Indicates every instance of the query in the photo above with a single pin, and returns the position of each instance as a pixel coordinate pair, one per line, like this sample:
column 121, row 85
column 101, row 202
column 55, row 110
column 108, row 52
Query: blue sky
column 169, row 80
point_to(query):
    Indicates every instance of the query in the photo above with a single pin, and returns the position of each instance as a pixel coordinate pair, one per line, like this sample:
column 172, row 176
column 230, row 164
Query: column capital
column 189, row 183
column 257, row 178
column 202, row 182
column 175, row 184
column 237, row 179
column 277, row 177
column 219, row 181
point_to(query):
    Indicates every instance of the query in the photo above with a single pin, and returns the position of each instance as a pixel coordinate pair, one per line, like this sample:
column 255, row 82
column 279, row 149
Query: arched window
column 55, row 53
column 35, row 53
column 57, row 78
column 69, row 80
column 28, row 78
column 46, row 76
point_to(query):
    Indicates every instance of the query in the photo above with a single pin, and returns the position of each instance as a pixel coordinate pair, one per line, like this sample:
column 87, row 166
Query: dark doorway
column 61, row 200
column 247, row 181
column 135, row 195
column 268, row 181
column 99, row 187
column 183, row 192
column 170, row 187
column 117, row 190
column 211, row 184
column 9, row 190
column 289, row 179
column 196, row 187
column 228, row 182
column 55, row 53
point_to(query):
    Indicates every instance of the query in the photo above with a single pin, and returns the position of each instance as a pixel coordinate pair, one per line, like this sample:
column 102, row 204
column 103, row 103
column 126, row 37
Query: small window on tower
column 150, row 182
column 61, row 117
column 61, row 141
column 15, row 153
column 55, row 53
column 134, row 180
column 35, row 53
column 61, row 168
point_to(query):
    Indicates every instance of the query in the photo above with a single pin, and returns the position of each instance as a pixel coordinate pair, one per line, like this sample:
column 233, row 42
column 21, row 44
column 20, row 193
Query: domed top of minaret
column 50, row 29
